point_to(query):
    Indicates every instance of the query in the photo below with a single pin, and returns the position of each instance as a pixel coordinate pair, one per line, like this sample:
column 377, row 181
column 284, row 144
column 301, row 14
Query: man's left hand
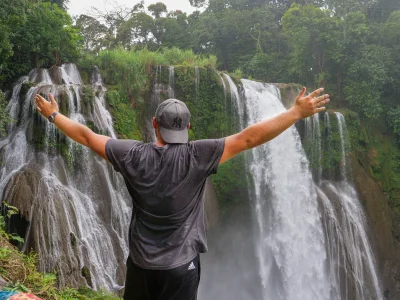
column 46, row 108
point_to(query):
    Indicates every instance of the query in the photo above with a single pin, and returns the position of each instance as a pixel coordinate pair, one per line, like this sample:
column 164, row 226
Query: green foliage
column 92, row 32
column 34, row 34
column 394, row 121
column 313, row 36
column 230, row 182
column 130, row 72
column 383, row 153
column 9, row 212
column 4, row 116
column 366, row 78
column 125, row 117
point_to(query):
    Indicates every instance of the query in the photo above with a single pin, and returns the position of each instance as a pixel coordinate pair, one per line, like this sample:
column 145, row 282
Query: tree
column 365, row 80
column 313, row 36
column 390, row 34
column 61, row 3
column 198, row 3
column 381, row 9
column 92, row 32
column 157, row 9
column 12, row 15
column 40, row 34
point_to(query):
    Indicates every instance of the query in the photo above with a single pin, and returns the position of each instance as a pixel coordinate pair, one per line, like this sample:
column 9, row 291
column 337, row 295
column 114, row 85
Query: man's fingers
column 52, row 100
column 319, row 109
column 316, row 92
column 302, row 92
column 321, row 98
column 39, row 98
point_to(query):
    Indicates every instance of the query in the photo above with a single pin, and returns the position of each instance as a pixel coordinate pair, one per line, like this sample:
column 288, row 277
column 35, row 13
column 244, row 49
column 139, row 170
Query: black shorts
column 175, row 284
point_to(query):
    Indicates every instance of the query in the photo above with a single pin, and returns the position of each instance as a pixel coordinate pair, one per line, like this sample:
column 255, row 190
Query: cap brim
column 174, row 137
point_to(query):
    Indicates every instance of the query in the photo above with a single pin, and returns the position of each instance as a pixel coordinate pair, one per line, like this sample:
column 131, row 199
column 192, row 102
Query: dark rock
column 380, row 216
column 289, row 92
column 86, row 274
column 56, row 75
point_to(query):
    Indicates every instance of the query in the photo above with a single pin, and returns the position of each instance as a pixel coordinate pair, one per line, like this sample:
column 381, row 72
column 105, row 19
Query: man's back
column 168, row 226
column 167, row 186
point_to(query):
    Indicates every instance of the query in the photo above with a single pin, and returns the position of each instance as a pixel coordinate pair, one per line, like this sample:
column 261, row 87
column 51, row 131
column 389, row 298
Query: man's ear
column 154, row 122
column 188, row 126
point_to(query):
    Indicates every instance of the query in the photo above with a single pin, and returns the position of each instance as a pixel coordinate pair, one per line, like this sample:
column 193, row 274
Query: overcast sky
column 78, row 7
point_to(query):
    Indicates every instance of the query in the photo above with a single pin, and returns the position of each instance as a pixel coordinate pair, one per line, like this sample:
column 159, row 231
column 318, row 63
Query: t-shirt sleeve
column 117, row 152
column 208, row 153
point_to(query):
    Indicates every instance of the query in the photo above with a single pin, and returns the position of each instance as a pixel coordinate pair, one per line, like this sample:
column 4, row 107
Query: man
column 166, row 180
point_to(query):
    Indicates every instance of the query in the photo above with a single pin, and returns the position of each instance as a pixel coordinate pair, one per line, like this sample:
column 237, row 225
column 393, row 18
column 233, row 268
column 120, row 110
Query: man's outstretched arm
column 74, row 130
column 265, row 131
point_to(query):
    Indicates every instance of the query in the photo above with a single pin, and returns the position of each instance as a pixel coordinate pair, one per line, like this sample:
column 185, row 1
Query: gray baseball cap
column 173, row 116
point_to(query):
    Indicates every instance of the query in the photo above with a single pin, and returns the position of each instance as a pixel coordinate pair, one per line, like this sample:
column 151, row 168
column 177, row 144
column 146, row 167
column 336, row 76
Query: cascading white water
column 343, row 165
column 303, row 255
column 289, row 239
column 313, row 133
column 239, row 105
column 223, row 85
column 13, row 106
column 171, row 83
column 77, row 208
column 351, row 259
column 350, row 262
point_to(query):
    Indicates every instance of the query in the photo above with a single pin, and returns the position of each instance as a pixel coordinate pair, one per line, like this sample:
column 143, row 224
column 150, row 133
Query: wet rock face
column 380, row 216
column 289, row 93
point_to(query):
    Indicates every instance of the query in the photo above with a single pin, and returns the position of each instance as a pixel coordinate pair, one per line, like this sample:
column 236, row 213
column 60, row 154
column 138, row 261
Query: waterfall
column 13, row 106
column 77, row 210
column 223, row 84
column 289, row 238
column 310, row 232
column 236, row 100
column 343, row 165
column 350, row 258
column 171, row 84
column 313, row 136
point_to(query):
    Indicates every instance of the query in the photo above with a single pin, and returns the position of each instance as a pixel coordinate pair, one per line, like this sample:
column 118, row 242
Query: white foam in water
column 223, row 84
column 13, row 105
column 235, row 98
column 70, row 74
column 171, row 84
column 313, row 136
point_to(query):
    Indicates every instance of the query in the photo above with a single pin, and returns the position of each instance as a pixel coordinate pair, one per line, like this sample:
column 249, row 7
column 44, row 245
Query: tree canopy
column 350, row 47
column 34, row 34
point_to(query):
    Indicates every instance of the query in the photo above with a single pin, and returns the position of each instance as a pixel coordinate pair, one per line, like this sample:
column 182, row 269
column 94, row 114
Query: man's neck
column 160, row 143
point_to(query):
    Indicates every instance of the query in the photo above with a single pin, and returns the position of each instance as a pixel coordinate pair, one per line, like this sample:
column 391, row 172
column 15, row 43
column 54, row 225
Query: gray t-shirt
column 167, row 185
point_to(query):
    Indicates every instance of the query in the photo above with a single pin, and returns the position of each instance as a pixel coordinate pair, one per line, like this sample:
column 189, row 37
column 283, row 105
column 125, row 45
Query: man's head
column 173, row 121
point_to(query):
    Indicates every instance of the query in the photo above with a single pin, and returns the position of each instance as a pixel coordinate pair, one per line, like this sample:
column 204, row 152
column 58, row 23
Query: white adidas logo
column 191, row 266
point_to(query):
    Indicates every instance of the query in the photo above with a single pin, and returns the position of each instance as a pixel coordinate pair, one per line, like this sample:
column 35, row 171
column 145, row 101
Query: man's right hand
column 306, row 106
column 264, row 131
